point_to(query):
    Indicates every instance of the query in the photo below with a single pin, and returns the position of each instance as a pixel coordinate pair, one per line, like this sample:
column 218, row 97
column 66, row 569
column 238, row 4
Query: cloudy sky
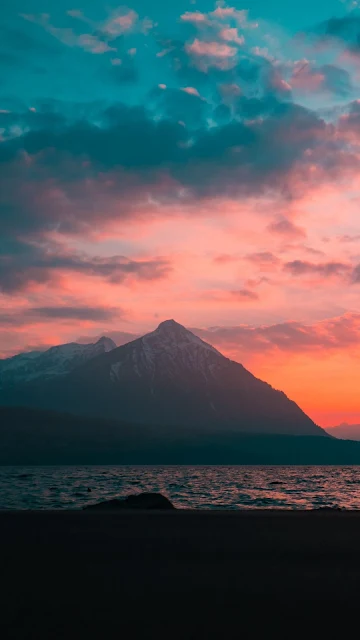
column 190, row 160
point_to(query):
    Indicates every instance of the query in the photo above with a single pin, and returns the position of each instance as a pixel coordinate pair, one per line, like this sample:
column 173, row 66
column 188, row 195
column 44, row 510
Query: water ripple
column 187, row 487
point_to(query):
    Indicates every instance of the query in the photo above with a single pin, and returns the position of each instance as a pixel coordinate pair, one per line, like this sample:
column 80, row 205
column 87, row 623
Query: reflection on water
column 190, row 487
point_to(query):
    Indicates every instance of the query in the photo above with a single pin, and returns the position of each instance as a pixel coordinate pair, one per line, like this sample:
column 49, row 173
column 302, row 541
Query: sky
column 193, row 160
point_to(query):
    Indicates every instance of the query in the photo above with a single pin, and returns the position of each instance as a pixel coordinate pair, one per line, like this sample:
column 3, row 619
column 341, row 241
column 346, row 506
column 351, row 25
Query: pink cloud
column 263, row 52
column 68, row 37
column 191, row 90
column 306, row 79
column 265, row 260
column 326, row 269
column 225, row 258
column 210, row 49
column 120, row 22
column 208, row 54
column 330, row 334
column 231, row 35
column 278, row 83
column 286, row 228
column 195, row 17
column 93, row 44
column 244, row 295
column 230, row 298
column 226, row 13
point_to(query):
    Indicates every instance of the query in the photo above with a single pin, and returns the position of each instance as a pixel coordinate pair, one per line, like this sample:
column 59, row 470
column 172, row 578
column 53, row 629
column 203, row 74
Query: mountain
column 56, row 361
column 345, row 431
column 168, row 377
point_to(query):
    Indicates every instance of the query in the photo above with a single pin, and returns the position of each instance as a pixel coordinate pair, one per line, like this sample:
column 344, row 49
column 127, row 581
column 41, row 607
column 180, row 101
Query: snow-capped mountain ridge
column 58, row 360
column 168, row 378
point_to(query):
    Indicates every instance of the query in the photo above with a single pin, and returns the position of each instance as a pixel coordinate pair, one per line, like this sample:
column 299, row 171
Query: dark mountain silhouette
column 168, row 377
column 31, row 436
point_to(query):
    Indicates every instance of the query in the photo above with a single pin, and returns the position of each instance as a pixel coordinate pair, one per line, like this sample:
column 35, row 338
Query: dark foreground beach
column 176, row 574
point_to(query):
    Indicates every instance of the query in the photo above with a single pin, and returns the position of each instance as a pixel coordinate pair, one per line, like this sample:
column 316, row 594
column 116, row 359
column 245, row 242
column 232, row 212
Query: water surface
column 187, row 487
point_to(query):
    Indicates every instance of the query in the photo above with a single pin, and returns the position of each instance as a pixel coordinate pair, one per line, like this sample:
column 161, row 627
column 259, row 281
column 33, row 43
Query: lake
column 230, row 487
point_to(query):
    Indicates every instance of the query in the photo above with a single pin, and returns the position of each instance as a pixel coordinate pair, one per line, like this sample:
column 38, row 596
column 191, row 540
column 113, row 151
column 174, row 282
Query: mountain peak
column 174, row 338
column 170, row 324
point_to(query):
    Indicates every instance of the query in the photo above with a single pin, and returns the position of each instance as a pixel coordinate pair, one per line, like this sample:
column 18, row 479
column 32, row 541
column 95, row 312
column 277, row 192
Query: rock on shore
column 136, row 501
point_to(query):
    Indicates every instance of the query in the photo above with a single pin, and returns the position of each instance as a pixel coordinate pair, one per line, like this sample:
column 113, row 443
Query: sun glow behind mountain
column 168, row 378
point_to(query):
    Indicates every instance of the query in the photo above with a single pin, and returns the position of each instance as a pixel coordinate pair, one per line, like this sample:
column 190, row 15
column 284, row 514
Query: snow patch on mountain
column 58, row 360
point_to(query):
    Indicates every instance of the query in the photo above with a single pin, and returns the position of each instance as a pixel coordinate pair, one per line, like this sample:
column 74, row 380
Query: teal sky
column 35, row 64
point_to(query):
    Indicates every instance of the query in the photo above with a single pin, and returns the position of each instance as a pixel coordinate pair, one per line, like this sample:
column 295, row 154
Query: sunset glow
column 190, row 160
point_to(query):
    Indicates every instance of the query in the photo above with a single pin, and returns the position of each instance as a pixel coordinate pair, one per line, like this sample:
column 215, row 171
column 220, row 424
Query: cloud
column 86, row 41
column 8, row 318
column 244, row 295
column 207, row 54
column 43, row 322
column 120, row 21
column 348, row 238
column 225, row 258
column 349, row 122
column 341, row 31
column 22, row 264
column 218, row 38
column 284, row 227
column 90, row 314
column 123, row 21
column 263, row 259
column 310, row 78
column 356, row 275
column 191, row 90
column 182, row 105
column 92, row 44
column 101, row 35
column 327, row 269
column 65, row 169
column 195, row 17
column 303, row 247
column 232, row 35
column 240, row 17
column 232, row 157
column 334, row 334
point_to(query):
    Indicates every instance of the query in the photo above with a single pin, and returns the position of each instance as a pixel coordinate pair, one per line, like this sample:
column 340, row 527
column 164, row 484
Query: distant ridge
column 167, row 377
column 35, row 437
column 345, row 431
